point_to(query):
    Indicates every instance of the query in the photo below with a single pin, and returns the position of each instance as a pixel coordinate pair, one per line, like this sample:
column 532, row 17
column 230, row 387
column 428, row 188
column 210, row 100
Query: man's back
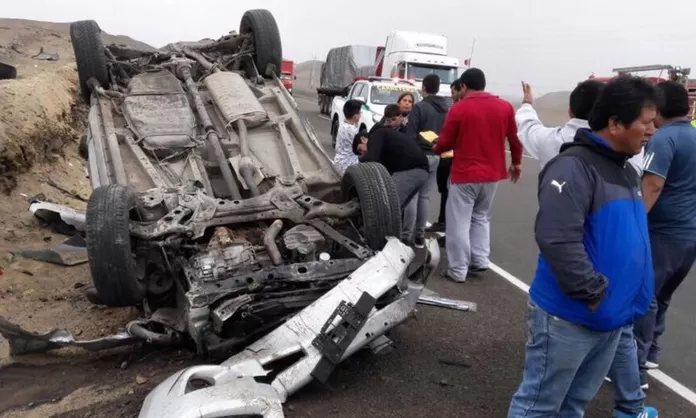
column 394, row 150
column 671, row 154
column 477, row 126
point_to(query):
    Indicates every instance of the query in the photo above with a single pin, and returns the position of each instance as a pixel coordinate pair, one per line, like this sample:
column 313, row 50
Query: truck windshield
column 384, row 94
column 419, row 71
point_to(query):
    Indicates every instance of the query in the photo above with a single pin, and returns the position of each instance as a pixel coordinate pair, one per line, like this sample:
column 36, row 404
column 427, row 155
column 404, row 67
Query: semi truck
column 413, row 55
column 287, row 74
column 340, row 70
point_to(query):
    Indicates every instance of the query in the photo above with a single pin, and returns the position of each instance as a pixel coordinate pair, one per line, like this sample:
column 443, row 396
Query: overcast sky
column 552, row 44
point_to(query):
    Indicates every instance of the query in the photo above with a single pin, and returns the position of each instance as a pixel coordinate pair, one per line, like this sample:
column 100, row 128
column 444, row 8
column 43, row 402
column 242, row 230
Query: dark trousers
column 671, row 263
column 442, row 177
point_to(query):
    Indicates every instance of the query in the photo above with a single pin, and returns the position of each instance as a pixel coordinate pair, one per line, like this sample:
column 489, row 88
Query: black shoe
column 477, row 269
column 419, row 242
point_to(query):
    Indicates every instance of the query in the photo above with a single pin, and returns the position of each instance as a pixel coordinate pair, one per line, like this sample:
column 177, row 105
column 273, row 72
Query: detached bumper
column 315, row 335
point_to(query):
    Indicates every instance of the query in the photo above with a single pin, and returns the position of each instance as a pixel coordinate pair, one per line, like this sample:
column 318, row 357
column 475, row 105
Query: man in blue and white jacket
column 594, row 276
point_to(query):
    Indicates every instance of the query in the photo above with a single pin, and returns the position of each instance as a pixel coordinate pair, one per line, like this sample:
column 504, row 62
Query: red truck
column 287, row 74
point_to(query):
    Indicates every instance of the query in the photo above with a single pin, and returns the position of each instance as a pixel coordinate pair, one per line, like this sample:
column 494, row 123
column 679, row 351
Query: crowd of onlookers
column 616, row 225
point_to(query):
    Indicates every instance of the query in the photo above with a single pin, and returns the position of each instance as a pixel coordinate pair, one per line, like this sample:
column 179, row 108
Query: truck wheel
column 7, row 72
column 87, row 44
column 268, row 49
column 111, row 260
column 334, row 132
column 380, row 209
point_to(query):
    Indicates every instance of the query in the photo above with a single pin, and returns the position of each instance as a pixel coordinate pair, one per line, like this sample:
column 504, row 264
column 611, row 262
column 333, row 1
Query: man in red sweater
column 475, row 129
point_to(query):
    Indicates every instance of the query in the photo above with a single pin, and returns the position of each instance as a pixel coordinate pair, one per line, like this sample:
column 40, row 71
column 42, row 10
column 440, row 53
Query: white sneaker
column 651, row 365
column 644, row 386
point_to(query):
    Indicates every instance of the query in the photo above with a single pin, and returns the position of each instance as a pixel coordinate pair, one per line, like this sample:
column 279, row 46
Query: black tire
column 334, row 132
column 7, row 72
column 111, row 261
column 87, row 44
column 379, row 201
column 268, row 49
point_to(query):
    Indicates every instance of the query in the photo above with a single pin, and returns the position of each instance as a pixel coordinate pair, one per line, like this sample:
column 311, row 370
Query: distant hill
column 308, row 75
column 554, row 99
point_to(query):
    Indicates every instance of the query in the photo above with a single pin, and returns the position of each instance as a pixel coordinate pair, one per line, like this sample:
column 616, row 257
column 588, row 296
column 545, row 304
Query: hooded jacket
column 543, row 143
column 427, row 115
column 393, row 150
column 592, row 233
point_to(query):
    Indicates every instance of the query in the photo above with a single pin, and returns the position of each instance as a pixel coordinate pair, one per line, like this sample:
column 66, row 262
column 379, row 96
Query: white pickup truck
column 376, row 93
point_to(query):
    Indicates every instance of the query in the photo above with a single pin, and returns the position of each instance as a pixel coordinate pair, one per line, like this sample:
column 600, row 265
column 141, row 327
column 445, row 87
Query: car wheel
column 380, row 209
column 334, row 132
column 87, row 44
column 268, row 49
column 7, row 72
column 113, row 267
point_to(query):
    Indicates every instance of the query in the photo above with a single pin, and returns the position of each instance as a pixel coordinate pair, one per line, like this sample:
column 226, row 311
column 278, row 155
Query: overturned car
column 214, row 207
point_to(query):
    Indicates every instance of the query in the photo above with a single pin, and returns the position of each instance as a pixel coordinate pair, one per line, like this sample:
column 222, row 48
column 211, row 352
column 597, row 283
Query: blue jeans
column 625, row 375
column 672, row 261
column 565, row 366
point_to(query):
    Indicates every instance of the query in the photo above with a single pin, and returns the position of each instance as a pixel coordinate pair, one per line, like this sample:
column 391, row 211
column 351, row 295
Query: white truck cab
column 376, row 93
column 413, row 55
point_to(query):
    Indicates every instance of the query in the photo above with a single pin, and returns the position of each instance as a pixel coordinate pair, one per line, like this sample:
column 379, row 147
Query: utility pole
column 471, row 55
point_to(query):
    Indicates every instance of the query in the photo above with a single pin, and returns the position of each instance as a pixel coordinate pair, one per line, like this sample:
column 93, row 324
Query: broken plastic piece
column 25, row 342
column 51, row 212
column 428, row 297
column 71, row 252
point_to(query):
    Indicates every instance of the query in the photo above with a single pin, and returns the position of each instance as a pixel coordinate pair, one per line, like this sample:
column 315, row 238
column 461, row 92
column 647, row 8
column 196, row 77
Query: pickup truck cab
column 376, row 93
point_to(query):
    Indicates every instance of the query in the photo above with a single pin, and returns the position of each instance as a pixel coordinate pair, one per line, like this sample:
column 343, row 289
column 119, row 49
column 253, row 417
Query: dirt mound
column 39, row 116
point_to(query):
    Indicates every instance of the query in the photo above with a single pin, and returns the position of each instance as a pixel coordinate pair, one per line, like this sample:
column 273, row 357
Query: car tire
column 268, row 48
column 87, row 44
column 380, row 209
column 334, row 132
column 7, row 72
column 111, row 261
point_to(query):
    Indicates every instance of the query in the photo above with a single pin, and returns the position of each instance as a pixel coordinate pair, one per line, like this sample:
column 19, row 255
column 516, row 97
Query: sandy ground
column 41, row 120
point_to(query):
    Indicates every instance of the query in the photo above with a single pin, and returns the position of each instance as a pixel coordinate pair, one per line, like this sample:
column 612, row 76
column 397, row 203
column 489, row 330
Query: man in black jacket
column 427, row 115
column 401, row 156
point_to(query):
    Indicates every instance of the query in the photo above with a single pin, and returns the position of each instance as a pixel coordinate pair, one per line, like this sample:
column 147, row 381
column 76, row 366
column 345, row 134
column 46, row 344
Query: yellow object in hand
column 429, row 136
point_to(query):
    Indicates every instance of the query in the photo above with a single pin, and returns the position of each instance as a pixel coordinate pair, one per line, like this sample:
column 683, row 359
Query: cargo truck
column 287, row 74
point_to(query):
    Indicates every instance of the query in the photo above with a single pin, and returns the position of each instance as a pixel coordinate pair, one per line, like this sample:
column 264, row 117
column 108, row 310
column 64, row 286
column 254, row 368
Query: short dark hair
column 457, row 85
column 351, row 108
column 357, row 139
column 675, row 100
column 623, row 99
column 391, row 111
column 583, row 97
column 473, row 79
column 431, row 83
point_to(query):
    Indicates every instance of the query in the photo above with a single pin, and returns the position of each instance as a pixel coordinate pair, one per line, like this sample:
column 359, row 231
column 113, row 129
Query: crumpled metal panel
column 157, row 106
column 234, row 99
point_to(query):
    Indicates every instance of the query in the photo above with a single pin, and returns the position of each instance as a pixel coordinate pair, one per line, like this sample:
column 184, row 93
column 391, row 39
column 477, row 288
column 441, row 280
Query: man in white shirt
column 347, row 130
column 543, row 143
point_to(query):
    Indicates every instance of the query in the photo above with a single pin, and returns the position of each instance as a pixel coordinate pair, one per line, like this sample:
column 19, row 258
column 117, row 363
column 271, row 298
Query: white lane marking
column 324, row 117
column 658, row 375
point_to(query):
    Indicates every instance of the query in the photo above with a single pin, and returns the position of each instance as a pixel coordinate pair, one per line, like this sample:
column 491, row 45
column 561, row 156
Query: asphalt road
column 488, row 346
